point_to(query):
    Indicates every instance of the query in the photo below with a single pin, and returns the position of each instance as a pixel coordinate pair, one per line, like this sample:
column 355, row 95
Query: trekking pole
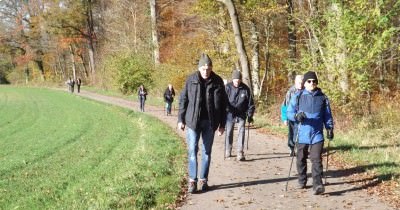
column 248, row 134
column 327, row 159
column 291, row 163
column 225, row 146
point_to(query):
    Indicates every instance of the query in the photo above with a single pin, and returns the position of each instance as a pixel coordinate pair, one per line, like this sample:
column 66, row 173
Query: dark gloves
column 250, row 119
column 329, row 134
column 300, row 116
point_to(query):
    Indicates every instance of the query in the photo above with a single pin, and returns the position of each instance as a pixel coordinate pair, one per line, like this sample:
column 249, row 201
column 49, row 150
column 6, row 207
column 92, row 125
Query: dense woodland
column 120, row 44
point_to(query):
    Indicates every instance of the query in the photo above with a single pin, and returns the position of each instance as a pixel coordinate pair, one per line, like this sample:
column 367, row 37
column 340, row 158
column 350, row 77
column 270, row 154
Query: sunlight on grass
column 61, row 151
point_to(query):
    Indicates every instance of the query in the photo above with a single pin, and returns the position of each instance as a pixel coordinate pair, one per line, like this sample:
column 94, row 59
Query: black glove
column 300, row 116
column 250, row 119
column 329, row 134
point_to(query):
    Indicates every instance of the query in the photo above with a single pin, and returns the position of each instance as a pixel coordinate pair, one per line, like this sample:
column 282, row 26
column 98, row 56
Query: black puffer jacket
column 241, row 102
column 191, row 97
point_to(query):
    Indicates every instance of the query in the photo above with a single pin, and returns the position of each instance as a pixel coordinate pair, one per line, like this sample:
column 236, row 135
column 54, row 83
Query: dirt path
column 259, row 182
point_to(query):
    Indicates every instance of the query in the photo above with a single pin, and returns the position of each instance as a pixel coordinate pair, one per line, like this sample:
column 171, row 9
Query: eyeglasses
column 312, row 81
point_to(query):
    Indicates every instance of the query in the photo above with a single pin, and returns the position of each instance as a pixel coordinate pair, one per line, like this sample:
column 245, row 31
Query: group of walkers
column 207, row 106
column 71, row 85
column 169, row 95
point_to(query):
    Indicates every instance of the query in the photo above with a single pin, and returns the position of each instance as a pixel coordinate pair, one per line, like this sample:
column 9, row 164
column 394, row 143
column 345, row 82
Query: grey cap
column 236, row 74
column 204, row 59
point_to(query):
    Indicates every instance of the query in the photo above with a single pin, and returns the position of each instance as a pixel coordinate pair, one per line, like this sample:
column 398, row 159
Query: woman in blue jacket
column 311, row 110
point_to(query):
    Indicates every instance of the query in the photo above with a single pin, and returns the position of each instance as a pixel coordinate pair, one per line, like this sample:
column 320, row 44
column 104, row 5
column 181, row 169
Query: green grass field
column 60, row 151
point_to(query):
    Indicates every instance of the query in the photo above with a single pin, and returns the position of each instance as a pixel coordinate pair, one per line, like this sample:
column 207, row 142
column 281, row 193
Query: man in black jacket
column 202, row 108
column 240, row 106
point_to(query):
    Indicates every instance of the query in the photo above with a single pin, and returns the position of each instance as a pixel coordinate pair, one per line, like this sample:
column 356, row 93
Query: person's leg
column 241, row 136
column 169, row 107
column 192, row 139
column 317, row 168
column 79, row 88
column 207, row 134
column 291, row 136
column 301, row 163
column 230, row 124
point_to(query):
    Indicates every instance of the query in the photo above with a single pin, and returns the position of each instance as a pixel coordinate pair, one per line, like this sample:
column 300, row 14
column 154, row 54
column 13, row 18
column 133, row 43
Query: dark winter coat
column 191, row 98
column 317, row 109
column 142, row 93
column 240, row 99
column 169, row 95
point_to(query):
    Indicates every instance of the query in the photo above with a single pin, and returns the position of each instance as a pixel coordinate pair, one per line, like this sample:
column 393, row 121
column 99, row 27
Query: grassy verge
column 60, row 151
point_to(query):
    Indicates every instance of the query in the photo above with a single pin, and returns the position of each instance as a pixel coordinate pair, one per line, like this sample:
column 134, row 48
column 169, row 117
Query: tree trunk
column 267, row 56
column 340, row 55
column 73, row 62
column 91, row 36
column 39, row 63
column 292, row 51
column 239, row 42
column 133, row 10
column 255, row 61
column 156, row 47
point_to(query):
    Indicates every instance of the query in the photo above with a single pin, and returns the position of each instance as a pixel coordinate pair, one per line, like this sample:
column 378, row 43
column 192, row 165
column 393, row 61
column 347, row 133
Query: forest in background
column 120, row 44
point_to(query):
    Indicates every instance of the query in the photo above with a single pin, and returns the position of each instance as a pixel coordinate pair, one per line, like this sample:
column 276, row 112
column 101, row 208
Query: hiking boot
column 319, row 190
column 240, row 157
column 228, row 154
column 203, row 185
column 192, row 187
column 301, row 186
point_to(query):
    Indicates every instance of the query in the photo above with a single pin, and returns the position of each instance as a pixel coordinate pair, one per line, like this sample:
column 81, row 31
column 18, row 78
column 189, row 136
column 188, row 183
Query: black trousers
column 315, row 152
column 292, row 134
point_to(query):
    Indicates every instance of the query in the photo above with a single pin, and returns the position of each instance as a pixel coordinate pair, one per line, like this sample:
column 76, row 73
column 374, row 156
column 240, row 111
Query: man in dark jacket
column 240, row 106
column 169, row 95
column 311, row 110
column 202, row 108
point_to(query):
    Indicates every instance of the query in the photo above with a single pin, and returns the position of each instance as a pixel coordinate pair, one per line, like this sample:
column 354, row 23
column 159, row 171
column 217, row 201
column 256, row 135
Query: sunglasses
column 311, row 81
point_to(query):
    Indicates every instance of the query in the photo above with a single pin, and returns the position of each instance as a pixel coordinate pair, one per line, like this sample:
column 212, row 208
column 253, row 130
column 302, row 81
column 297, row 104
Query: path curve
column 259, row 182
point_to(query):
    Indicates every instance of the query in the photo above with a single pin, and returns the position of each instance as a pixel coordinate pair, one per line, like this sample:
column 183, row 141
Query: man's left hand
column 329, row 134
column 250, row 119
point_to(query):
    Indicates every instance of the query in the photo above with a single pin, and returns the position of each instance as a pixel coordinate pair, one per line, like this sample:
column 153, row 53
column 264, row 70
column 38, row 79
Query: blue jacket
column 317, row 109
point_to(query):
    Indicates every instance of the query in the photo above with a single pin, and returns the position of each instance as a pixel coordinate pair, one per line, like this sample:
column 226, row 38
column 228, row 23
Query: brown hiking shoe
column 192, row 187
column 203, row 185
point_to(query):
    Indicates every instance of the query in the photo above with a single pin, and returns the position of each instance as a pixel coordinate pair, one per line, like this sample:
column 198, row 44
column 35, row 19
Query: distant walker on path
column 169, row 95
column 142, row 94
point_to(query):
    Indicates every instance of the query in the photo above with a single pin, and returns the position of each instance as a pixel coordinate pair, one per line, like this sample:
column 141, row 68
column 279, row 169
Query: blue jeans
column 192, row 137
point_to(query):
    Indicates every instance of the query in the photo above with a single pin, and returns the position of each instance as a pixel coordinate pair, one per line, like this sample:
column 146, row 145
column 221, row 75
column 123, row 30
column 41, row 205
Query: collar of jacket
column 210, row 79
column 241, row 85
column 317, row 91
